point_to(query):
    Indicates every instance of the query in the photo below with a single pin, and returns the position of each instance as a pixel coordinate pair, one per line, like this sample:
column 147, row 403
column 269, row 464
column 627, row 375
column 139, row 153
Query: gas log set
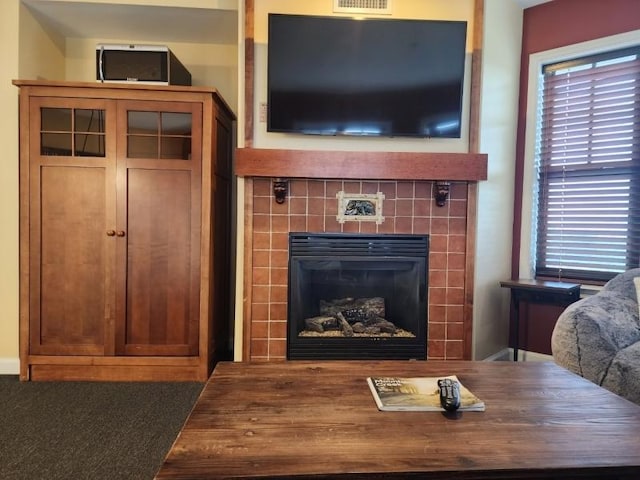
column 352, row 317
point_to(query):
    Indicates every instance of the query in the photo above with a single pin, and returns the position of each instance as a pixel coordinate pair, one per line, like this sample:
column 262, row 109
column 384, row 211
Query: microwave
column 151, row 64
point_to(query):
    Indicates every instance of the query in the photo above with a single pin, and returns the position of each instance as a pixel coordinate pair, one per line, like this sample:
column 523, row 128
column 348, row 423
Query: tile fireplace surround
column 311, row 206
column 408, row 181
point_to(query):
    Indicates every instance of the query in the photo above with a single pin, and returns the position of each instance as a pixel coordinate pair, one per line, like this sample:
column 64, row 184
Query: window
column 587, row 159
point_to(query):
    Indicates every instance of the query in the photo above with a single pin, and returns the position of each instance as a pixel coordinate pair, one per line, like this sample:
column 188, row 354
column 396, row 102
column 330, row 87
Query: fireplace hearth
column 357, row 296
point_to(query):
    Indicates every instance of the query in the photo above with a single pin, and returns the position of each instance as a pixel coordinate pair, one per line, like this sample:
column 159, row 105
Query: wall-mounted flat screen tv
column 365, row 77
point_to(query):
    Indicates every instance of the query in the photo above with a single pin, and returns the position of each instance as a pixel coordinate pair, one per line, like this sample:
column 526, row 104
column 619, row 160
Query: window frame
column 529, row 181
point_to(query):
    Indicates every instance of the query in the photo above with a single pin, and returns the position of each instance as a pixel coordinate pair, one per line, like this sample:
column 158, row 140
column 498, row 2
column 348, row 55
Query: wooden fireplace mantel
column 277, row 163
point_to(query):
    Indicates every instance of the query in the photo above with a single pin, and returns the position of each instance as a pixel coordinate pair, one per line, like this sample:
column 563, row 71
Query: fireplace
column 357, row 296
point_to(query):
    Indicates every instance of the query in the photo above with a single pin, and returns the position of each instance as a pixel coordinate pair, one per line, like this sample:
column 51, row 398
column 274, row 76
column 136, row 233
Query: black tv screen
column 369, row 77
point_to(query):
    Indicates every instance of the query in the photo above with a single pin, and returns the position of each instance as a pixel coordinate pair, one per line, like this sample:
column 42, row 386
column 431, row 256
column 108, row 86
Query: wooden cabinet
column 125, row 197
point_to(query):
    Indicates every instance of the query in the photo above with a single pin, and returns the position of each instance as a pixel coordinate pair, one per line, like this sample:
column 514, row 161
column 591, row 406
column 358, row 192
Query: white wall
column 18, row 29
column 42, row 51
column 9, row 21
column 498, row 120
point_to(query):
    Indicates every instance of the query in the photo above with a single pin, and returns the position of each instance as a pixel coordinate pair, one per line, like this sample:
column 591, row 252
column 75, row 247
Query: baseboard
column 523, row 356
column 501, row 356
column 526, row 356
column 9, row 366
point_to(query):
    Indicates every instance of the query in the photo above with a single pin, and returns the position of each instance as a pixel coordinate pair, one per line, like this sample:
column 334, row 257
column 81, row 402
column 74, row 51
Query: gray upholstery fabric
column 598, row 337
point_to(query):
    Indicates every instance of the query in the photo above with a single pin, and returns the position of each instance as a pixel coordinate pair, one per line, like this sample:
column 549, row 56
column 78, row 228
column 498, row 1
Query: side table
column 537, row 291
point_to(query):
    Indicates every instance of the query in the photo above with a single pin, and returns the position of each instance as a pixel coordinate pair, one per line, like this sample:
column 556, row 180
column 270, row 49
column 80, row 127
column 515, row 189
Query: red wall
column 556, row 24
column 551, row 25
column 565, row 22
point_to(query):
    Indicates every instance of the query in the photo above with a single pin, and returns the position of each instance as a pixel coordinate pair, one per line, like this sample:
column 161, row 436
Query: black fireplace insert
column 357, row 296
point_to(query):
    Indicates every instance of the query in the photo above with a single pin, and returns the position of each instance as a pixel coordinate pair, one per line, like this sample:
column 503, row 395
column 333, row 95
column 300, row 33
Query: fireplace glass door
column 357, row 296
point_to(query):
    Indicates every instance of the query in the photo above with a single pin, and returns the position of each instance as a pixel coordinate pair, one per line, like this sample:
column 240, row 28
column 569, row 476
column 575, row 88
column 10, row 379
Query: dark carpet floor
column 89, row 430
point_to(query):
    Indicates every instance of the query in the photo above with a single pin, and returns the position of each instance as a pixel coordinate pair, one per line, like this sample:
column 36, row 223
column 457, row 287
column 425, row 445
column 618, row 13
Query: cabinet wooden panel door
column 117, row 230
column 158, row 198
column 71, row 257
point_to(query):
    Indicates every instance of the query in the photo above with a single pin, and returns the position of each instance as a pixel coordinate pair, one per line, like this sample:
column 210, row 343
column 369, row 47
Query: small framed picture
column 360, row 207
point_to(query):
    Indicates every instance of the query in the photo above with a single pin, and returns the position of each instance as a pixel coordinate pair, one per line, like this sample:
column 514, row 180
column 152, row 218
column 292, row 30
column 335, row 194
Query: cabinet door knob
column 111, row 233
column 120, row 233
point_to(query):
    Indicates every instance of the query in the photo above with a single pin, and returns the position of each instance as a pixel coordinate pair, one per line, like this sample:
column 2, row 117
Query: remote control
column 449, row 394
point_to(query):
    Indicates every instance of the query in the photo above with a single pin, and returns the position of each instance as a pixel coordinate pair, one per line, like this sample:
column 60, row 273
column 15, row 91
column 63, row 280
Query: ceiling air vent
column 379, row 7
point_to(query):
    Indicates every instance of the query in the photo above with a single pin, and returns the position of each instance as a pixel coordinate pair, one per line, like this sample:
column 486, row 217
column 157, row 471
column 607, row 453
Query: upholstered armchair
column 598, row 337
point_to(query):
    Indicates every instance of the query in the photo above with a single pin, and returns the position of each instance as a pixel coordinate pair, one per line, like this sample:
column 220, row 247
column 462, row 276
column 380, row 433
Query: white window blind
column 588, row 164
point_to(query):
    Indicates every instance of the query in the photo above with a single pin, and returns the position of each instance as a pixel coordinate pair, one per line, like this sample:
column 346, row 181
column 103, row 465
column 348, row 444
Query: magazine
column 417, row 394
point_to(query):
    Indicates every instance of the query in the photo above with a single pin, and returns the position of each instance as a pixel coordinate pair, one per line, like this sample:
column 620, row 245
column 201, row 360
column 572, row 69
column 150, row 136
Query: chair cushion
column 636, row 281
column 598, row 337
column 623, row 376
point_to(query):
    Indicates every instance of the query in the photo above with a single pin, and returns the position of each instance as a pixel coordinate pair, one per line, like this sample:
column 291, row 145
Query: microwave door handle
column 100, row 65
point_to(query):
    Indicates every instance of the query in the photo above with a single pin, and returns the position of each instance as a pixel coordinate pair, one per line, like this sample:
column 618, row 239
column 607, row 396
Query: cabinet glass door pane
column 139, row 146
column 55, row 144
column 60, row 129
column 89, row 120
column 178, row 148
column 144, row 123
column 55, row 128
column 175, row 135
column 165, row 135
column 142, row 138
column 87, row 145
column 176, row 124
column 55, row 119
column 90, row 143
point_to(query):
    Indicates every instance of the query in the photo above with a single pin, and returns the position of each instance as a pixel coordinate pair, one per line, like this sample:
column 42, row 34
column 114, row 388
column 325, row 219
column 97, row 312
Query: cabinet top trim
column 111, row 86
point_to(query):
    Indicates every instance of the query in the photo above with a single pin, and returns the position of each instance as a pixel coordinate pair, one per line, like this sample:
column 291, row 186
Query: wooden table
column 318, row 420
column 537, row 291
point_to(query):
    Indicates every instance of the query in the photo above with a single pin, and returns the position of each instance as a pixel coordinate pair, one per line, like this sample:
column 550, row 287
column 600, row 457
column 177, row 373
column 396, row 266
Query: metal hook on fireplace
column 280, row 189
column 442, row 192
